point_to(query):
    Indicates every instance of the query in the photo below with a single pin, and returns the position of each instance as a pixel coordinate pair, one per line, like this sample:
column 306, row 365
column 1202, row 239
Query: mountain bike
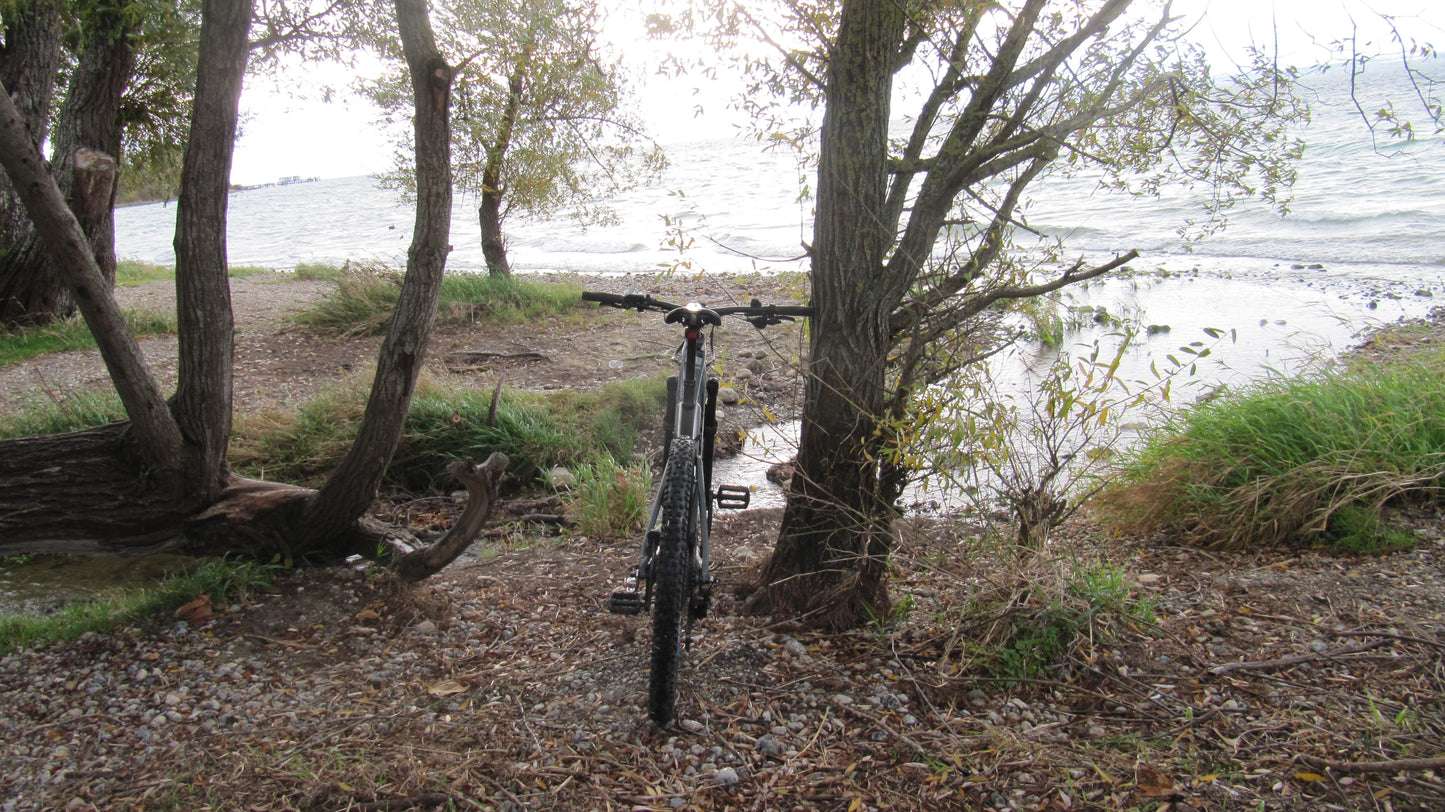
column 672, row 571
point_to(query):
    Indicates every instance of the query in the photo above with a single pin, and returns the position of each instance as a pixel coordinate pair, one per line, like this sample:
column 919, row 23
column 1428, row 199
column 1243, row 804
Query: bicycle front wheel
column 672, row 585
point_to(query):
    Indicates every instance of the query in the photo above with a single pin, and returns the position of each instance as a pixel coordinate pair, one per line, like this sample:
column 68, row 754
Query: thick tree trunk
column 829, row 565
column 29, row 61
column 32, row 289
column 85, row 493
column 352, row 487
column 202, row 404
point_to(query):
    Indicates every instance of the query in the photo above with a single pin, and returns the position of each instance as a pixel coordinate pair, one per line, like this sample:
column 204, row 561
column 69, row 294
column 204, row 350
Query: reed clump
column 1310, row 461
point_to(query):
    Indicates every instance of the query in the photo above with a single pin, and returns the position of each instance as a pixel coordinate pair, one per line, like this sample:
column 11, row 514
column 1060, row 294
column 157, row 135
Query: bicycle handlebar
column 757, row 314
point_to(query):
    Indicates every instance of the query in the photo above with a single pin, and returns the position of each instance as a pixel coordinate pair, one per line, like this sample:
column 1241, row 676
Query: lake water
column 1372, row 218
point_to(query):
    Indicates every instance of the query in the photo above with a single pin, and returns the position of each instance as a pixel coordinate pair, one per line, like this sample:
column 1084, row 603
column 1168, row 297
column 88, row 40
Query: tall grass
column 62, row 413
column 365, row 296
column 72, row 334
column 535, row 430
column 611, row 499
column 1305, row 461
column 223, row 580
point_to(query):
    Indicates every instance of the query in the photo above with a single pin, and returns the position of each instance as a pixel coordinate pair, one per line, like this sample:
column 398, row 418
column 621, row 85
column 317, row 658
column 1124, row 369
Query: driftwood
column 481, row 482
column 469, row 360
column 1286, row 662
column 1398, row 765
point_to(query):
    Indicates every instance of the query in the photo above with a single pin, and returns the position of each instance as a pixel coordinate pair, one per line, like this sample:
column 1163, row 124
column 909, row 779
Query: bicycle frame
column 692, row 414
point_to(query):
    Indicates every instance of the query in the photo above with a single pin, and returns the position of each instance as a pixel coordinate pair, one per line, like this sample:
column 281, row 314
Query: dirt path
column 280, row 364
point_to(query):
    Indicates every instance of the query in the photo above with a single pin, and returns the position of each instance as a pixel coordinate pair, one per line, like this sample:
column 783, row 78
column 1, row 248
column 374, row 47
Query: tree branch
column 158, row 437
column 482, row 484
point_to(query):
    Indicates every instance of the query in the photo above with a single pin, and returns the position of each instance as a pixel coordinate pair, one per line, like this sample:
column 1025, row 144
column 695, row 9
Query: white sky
column 286, row 135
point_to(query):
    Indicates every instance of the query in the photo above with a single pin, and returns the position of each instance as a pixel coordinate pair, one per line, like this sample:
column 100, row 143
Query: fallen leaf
column 446, row 687
column 198, row 609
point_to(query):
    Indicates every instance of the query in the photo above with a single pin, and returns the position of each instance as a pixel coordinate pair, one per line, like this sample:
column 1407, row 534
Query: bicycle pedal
column 733, row 497
column 698, row 608
column 625, row 603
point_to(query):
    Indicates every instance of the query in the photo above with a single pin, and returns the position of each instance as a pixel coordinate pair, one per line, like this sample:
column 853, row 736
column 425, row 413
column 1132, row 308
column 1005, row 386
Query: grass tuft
column 610, row 499
column 62, row 414
column 1308, row 461
column 72, row 334
column 536, row 431
column 317, row 272
column 366, row 294
column 132, row 272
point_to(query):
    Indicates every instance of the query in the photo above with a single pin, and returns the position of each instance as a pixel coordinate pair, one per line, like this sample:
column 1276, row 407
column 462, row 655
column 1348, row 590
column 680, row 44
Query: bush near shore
column 1308, row 461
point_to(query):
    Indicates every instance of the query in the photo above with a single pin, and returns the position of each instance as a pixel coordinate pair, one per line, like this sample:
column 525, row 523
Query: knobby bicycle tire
column 672, row 586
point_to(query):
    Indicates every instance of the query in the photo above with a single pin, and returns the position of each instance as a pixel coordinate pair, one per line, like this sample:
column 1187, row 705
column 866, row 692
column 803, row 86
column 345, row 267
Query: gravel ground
column 504, row 685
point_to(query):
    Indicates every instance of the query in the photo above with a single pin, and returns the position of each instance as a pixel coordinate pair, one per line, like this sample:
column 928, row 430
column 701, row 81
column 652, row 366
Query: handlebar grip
column 604, row 298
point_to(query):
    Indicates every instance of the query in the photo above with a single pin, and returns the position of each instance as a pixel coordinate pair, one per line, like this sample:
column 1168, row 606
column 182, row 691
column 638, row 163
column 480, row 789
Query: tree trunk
column 352, row 487
column 29, row 62
column 829, row 565
column 494, row 247
column 202, row 404
column 32, row 289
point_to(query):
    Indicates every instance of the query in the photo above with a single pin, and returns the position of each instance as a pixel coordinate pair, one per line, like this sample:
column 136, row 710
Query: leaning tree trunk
column 32, row 289
column 353, row 486
column 829, row 565
column 29, row 62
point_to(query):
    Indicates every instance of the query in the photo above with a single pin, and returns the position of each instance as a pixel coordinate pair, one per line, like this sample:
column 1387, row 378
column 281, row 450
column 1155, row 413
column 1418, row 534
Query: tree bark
column 828, row 568
column 494, row 245
column 29, row 61
column 83, row 493
column 202, row 403
column 32, row 289
column 353, row 486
